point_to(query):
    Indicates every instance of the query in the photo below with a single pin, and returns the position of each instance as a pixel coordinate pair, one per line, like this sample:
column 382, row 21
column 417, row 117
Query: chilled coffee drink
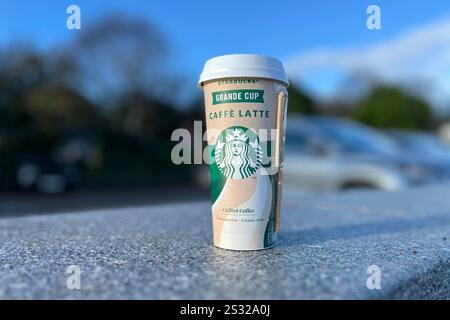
column 245, row 105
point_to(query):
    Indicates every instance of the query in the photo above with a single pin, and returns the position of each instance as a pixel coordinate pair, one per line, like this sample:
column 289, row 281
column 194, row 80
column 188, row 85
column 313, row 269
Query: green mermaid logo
column 238, row 153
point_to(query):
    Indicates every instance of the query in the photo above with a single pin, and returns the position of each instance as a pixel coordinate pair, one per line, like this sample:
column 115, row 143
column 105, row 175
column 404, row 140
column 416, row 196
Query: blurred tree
column 387, row 107
column 21, row 70
column 117, row 55
column 145, row 118
column 107, row 88
column 59, row 110
column 299, row 101
column 137, row 144
column 195, row 111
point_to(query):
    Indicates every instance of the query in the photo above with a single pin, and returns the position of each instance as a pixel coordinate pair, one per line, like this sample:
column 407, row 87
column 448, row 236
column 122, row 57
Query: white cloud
column 420, row 54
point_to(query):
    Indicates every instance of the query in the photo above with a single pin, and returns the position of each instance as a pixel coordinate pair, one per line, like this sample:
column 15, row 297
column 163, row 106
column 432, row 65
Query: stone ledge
column 165, row 252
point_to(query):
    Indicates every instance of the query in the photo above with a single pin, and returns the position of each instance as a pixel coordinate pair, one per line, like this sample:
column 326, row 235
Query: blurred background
column 86, row 115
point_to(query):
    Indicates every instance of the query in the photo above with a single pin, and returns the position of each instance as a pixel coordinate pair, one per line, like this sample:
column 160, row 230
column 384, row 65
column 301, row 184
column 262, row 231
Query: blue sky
column 291, row 30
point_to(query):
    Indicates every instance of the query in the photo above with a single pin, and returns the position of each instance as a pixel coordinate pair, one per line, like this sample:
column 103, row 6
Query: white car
column 330, row 154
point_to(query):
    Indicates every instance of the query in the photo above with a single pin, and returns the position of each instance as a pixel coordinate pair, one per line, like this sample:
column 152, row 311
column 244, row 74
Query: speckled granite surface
column 325, row 246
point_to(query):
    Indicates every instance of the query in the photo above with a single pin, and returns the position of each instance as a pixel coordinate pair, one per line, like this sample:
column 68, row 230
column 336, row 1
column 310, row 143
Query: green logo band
column 233, row 96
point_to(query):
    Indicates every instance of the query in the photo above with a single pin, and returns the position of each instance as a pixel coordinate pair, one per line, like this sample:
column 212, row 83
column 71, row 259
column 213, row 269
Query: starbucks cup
column 245, row 108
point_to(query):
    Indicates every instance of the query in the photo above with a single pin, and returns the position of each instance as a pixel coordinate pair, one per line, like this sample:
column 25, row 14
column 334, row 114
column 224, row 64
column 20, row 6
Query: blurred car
column 328, row 154
column 424, row 147
column 47, row 172
column 31, row 172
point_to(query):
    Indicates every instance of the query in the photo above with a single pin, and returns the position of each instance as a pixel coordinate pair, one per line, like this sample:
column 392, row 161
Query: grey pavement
column 326, row 244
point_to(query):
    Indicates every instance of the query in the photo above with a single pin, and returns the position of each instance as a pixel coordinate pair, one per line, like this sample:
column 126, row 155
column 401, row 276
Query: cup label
column 245, row 184
column 238, row 96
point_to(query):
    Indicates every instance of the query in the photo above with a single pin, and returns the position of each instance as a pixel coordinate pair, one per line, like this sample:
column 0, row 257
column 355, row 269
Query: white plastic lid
column 243, row 65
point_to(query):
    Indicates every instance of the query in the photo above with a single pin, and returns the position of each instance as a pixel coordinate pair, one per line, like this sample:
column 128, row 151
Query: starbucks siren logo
column 238, row 153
